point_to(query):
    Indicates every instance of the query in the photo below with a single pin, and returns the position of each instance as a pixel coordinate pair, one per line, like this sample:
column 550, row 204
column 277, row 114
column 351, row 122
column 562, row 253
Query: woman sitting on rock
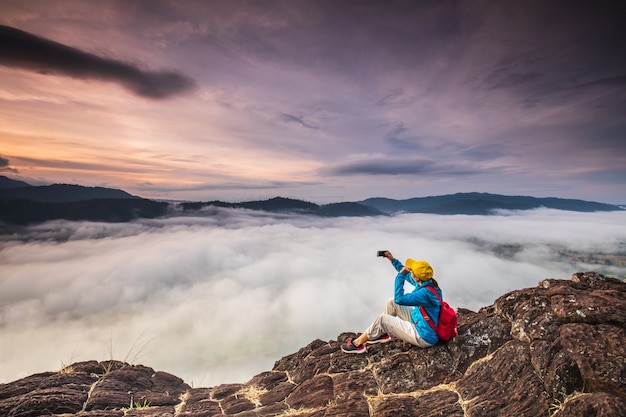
column 402, row 317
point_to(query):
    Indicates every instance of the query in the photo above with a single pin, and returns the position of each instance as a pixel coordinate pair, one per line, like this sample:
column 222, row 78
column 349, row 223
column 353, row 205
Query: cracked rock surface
column 558, row 349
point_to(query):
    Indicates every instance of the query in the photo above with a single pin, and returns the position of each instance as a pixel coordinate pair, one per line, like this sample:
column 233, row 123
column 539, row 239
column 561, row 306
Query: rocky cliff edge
column 555, row 350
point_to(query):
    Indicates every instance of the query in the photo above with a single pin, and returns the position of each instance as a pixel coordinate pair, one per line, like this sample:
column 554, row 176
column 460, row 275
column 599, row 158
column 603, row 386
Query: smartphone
column 381, row 253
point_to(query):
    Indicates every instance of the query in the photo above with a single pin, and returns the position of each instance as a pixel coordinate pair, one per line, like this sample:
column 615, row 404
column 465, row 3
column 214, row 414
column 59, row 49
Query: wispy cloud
column 603, row 82
column 5, row 165
column 396, row 166
column 24, row 50
column 505, row 78
column 241, row 184
column 298, row 120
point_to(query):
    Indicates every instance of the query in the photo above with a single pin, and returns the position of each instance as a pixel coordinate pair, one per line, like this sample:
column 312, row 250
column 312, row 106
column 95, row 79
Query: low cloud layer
column 24, row 50
column 220, row 298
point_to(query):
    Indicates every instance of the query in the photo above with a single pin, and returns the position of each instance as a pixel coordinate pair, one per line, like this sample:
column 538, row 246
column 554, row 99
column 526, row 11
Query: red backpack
column 448, row 320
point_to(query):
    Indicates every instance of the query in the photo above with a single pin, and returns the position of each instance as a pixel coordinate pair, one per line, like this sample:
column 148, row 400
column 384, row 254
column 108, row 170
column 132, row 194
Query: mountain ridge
column 23, row 205
column 62, row 193
column 6, row 182
column 290, row 205
column 482, row 203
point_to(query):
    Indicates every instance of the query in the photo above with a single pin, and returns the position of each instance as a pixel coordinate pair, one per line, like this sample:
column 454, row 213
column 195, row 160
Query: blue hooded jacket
column 420, row 296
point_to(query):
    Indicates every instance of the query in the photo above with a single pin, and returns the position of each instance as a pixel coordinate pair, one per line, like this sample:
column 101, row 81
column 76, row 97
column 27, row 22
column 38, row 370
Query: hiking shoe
column 382, row 339
column 350, row 347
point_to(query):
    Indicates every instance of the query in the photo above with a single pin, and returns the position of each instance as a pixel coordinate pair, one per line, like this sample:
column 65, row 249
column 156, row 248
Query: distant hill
column 6, row 183
column 348, row 209
column 23, row 204
column 113, row 210
column 62, row 193
column 281, row 204
column 481, row 203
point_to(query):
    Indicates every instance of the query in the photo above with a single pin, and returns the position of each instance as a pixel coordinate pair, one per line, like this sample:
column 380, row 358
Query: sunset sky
column 323, row 101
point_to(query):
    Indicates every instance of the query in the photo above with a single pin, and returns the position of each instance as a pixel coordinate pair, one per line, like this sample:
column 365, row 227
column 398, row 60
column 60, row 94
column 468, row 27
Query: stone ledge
column 557, row 349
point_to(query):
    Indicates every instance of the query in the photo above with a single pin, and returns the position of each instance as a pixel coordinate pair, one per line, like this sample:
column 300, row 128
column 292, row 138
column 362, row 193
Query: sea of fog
column 218, row 298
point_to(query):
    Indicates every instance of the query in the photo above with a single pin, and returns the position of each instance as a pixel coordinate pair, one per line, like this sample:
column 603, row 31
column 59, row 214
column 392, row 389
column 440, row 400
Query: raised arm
column 399, row 267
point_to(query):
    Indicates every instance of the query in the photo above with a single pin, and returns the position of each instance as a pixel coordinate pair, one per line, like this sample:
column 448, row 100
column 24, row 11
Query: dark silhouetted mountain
column 276, row 204
column 481, row 203
column 348, row 209
column 280, row 204
column 6, row 183
column 22, row 204
column 26, row 204
column 288, row 205
column 62, row 193
column 24, row 212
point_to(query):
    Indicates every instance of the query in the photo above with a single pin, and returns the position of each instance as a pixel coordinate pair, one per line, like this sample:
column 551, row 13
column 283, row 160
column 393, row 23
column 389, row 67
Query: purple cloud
column 24, row 50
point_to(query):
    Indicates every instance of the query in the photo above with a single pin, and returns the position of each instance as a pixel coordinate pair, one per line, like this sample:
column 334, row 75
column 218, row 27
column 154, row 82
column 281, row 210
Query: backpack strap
column 425, row 314
column 434, row 291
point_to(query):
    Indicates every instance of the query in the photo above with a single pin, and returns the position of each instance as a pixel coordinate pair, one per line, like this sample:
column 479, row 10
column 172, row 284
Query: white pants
column 397, row 321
